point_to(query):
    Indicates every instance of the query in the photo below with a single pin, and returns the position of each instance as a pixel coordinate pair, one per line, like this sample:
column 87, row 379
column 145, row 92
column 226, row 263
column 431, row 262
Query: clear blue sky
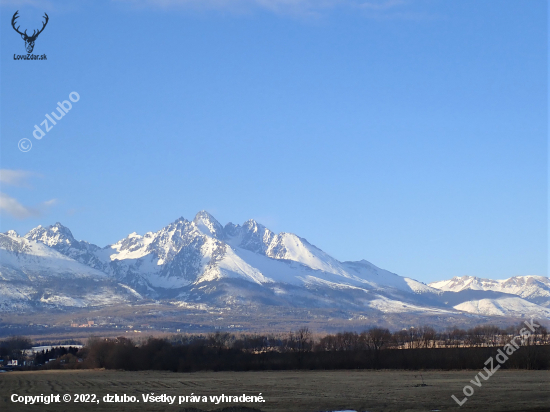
column 412, row 134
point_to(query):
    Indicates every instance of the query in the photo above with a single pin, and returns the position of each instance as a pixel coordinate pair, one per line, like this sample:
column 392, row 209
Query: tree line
column 413, row 348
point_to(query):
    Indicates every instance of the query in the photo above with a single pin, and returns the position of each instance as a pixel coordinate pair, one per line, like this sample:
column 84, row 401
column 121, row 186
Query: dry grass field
column 292, row 391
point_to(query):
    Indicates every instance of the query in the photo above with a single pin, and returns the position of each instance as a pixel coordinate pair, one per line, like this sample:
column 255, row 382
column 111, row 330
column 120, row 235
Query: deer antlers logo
column 29, row 40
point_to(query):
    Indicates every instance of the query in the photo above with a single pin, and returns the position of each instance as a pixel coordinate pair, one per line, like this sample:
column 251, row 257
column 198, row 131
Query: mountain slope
column 60, row 238
column 25, row 259
column 509, row 306
column 33, row 275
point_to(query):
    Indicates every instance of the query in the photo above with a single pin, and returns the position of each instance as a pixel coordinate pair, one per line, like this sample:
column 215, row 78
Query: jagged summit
column 50, row 235
column 61, row 239
column 208, row 225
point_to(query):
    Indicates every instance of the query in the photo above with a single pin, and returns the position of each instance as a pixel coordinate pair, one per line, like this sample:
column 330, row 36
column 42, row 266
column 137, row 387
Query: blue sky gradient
column 412, row 134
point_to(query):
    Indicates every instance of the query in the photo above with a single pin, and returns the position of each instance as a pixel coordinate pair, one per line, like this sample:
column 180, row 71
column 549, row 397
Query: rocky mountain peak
column 52, row 235
column 12, row 233
column 253, row 226
column 208, row 225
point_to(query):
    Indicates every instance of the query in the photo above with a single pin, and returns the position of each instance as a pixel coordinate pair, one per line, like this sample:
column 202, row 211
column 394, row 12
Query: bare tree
column 303, row 340
column 378, row 337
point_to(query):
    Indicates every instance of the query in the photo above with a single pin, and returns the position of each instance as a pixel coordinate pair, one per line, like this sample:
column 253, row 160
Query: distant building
column 88, row 324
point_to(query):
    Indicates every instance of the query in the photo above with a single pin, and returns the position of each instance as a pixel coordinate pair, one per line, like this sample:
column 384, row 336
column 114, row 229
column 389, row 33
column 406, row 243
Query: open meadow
column 292, row 391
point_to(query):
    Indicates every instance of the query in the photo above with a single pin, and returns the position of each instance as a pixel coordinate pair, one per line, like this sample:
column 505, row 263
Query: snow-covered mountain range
column 509, row 297
column 223, row 266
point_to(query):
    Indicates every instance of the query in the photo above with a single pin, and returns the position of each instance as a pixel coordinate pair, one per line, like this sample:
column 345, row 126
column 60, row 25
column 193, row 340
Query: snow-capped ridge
column 527, row 287
column 37, row 259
